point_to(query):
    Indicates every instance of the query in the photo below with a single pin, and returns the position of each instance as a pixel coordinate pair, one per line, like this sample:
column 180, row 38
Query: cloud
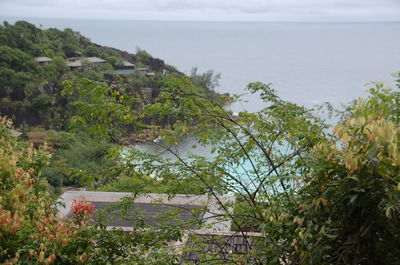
column 302, row 9
column 271, row 5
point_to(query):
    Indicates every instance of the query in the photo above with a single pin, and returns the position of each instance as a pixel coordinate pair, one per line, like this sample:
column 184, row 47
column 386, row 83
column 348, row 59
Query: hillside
column 34, row 63
column 83, row 101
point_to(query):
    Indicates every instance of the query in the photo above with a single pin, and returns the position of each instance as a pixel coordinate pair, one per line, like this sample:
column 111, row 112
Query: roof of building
column 94, row 60
column 210, row 239
column 150, row 204
column 152, row 213
column 79, row 62
column 200, row 248
column 126, row 63
column 42, row 59
column 74, row 63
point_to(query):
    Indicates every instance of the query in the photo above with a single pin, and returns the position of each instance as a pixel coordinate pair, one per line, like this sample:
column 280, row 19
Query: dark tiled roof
column 151, row 214
column 207, row 248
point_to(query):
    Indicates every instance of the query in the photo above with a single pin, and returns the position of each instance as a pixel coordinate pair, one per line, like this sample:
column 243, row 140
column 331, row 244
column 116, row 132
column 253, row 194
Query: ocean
column 307, row 63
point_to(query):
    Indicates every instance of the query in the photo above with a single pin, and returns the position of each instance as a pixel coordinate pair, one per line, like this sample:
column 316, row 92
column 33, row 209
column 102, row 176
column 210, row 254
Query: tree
column 92, row 50
column 208, row 81
column 98, row 108
column 32, row 233
column 319, row 198
column 142, row 56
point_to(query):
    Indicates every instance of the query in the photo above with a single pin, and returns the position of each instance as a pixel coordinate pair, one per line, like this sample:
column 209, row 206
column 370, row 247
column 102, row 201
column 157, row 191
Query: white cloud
column 207, row 9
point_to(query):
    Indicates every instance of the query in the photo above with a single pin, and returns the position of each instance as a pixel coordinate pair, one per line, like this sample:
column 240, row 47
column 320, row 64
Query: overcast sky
column 208, row 10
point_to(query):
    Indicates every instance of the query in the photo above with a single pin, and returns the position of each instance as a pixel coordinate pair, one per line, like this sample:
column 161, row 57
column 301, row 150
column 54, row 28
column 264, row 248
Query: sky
column 207, row 10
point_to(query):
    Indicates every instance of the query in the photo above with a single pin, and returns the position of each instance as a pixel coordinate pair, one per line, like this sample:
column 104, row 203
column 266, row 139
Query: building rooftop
column 94, row 60
column 207, row 236
column 128, row 64
column 197, row 208
column 73, row 62
column 42, row 59
column 151, row 214
column 219, row 248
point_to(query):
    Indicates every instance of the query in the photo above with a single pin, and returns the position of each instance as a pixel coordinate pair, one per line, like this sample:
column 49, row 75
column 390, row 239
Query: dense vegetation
column 317, row 194
column 32, row 233
column 30, row 91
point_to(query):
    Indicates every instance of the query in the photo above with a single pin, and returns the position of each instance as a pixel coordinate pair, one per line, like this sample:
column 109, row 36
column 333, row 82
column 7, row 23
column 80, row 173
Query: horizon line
column 210, row 21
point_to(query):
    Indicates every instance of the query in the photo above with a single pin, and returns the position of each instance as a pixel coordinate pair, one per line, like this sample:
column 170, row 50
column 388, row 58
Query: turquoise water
column 119, row 72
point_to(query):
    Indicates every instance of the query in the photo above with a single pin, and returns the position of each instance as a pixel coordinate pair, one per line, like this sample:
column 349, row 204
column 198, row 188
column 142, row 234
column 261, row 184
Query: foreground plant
column 32, row 233
column 350, row 211
column 317, row 197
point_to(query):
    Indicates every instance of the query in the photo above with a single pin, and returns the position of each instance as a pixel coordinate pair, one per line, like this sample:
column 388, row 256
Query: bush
column 41, row 103
column 31, row 232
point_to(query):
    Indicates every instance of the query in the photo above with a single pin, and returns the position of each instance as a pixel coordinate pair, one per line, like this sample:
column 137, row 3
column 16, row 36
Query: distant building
column 209, row 212
column 80, row 63
column 143, row 70
column 207, row 227
column 75, row 65
column 77, row 53
column 94, row 61
column 125, row 66
column 43, row 60
column 150, row 74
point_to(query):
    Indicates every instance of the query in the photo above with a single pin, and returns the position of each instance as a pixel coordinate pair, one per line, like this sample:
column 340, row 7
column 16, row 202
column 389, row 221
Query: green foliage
column 92, row 50
column 54, row 71
column 16, row 67
column 41, row 103
column 319, row 198
column 100, row 110
column 316, row 197
column 77, row 160
column 207, row 81
column 23, row 80
column 22, row 35
column 351, row 205
column 31, row 232
column 382, row 101
column 142, row 56
column 32, row 92
column 164, row 181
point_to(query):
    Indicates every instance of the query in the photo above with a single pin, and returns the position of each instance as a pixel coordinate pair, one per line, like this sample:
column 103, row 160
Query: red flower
column 31, row 171
column 82, row 207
